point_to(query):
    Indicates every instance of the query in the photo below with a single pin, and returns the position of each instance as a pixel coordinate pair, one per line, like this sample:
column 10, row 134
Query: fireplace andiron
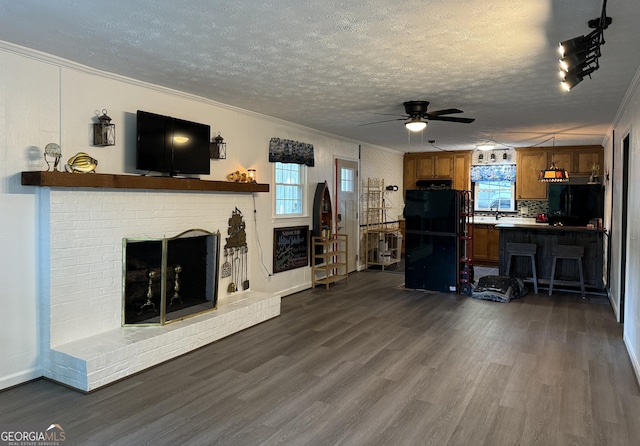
column 176, row 285
column 149, row 302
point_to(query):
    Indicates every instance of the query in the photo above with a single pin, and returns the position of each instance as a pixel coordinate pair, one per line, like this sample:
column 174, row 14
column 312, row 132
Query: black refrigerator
column 433, row 228
column 575, row 204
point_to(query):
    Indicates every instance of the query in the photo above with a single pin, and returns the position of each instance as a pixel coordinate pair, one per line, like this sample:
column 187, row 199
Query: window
column 289, row 187
column 347, row 180
column 494, row 187
column 494, row 196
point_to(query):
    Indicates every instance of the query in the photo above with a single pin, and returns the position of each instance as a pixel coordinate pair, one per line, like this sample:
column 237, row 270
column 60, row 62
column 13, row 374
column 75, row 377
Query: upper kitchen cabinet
column 437, row 166
column 585, row 158
column 577, row 160
column 461, row 170
column 529, row 162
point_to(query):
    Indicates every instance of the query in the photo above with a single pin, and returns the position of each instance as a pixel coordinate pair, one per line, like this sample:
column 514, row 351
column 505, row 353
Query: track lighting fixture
column 579, row 55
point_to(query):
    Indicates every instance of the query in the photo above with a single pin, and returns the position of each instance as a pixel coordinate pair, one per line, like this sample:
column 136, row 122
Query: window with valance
column 500, row 172
column 494, row 187
column 290, row 152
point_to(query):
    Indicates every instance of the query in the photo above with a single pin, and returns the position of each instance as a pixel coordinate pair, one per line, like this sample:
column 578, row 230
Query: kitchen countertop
column 491, row 220
column 546, row 227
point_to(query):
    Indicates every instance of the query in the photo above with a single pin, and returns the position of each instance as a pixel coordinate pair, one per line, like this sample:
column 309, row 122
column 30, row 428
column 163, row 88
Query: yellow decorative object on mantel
column 81, row 163
column 239, row 177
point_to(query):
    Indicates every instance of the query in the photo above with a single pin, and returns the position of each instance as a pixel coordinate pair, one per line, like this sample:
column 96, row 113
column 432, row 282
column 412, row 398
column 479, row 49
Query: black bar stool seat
column 524, row 250
column 567, row 252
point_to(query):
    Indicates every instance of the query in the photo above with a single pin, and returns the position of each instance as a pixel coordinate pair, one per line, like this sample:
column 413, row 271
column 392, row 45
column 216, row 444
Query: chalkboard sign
column 290, row 248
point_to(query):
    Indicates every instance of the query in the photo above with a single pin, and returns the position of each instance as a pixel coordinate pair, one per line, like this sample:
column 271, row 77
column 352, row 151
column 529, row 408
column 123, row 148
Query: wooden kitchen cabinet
column 563, row 159
column 410, row 172
column 486, row 245
column 435, row 166
column 453, row 166
column 585, row 158
column 529, row 162
column 461, row 170
column 576, row 160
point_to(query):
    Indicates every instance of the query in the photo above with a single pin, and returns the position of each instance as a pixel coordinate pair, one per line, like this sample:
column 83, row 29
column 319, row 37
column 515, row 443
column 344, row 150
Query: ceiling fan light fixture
column 415, row 124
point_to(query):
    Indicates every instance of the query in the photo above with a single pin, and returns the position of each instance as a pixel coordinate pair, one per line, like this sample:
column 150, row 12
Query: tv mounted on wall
column 171, row 146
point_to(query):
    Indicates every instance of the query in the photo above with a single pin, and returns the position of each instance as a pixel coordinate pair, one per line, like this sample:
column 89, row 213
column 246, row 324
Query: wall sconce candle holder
column 104, row 132
column 218, row 148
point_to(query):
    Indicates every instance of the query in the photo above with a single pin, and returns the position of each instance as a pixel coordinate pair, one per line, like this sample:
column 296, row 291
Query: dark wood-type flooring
column 369, row 363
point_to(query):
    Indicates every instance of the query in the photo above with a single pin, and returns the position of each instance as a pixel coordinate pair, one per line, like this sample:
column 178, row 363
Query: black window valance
column 288, row 151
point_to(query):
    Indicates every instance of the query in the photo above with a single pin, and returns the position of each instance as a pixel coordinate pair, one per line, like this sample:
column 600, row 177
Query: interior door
column 346, row 218
column 626, row 146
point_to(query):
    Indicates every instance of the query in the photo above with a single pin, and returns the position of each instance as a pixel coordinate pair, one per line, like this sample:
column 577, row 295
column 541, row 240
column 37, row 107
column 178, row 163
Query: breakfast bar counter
column 544, row 237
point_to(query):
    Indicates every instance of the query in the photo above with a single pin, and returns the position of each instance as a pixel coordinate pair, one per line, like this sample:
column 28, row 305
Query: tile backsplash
column 531, row 208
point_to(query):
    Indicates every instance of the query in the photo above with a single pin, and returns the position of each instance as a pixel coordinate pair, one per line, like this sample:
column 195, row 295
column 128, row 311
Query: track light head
column 575, row 45
column 567, row 63
column 570, row 81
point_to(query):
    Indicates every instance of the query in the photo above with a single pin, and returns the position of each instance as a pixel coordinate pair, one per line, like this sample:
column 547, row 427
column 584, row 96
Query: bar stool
column 524, row 250
column 567, row 252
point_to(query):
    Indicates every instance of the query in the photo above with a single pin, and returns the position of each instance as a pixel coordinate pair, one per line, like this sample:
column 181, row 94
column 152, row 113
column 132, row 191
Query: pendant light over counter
column 553, row 174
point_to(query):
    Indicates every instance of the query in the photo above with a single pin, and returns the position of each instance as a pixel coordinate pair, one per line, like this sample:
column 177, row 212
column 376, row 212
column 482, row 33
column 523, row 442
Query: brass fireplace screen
column 170, row 279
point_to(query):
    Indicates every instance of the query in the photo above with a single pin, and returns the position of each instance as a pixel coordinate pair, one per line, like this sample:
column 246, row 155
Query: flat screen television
column 171, row 146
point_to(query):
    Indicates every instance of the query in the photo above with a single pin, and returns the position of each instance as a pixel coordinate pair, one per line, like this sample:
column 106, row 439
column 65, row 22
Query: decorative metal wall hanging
column 236, row 249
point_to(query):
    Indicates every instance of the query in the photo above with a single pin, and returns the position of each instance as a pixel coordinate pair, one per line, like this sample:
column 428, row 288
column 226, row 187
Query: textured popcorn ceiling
column 332, row 65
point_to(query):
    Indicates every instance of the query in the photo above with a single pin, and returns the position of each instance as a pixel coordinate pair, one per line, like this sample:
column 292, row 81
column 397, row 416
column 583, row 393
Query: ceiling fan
column 417, row 116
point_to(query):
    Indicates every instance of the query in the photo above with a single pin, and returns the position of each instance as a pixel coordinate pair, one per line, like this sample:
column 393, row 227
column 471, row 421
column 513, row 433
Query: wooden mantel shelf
column 107, row 181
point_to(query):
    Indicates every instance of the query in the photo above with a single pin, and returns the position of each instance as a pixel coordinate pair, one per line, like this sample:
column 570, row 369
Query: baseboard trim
column 634, row 360
column 19, row 378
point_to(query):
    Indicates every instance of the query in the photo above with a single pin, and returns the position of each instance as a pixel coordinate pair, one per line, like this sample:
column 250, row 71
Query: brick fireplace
column 81, row 232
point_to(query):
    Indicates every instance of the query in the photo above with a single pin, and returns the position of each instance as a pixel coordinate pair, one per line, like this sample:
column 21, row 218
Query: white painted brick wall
column 81, row 237
column 95, row 361
column 86, row 229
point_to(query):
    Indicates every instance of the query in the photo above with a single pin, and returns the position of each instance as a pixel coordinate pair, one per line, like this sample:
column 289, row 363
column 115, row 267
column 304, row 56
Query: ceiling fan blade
column 446, row 111
column 452, row 119
column 390, row 114
column 386, row 120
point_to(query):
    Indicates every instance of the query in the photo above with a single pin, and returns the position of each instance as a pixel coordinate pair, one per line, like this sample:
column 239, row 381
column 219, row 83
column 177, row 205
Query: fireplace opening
column 169, row 279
